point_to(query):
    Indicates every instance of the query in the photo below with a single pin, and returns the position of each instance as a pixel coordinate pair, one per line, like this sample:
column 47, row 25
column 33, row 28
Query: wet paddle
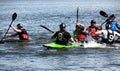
column 46, row 28
column 77, row 14
column 104, row 14
column 13, row 18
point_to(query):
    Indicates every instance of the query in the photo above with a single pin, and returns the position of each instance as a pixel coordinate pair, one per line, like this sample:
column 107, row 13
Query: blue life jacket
column 113, row 25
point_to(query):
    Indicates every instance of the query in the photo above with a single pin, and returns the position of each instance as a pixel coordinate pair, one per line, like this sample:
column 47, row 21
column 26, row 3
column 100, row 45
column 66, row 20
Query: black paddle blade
column 103, row 14
column 14, row 16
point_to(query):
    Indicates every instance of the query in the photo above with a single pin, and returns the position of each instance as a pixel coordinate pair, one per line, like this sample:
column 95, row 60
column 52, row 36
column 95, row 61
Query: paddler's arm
column 15, row 29
column 72, row 40
column 97, row 33
column 10, row 35
column 99, row 27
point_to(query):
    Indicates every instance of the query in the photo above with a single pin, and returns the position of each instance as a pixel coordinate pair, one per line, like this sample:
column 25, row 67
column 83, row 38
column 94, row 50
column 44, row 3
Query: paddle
column 77, row 14
column 46, row 28
column 13, row 18
column 104, row 14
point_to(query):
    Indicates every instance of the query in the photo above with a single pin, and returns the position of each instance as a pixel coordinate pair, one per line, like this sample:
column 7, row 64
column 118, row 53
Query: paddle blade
column 14, row 16
column 103, row 14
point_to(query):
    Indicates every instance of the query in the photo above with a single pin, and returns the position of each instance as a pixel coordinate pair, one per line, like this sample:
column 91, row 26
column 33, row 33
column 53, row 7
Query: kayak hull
column 58, row 46
column 13, row 40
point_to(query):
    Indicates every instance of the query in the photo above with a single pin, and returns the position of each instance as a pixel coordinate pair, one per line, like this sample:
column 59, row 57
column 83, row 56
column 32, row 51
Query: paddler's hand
column 76, row 40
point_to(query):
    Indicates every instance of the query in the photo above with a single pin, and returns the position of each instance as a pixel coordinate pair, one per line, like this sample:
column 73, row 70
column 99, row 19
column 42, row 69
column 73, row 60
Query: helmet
column 112, row 16
column 80, row 26
column 19, row 26
column 93, row 21
column 77, row 25
column 62, row 25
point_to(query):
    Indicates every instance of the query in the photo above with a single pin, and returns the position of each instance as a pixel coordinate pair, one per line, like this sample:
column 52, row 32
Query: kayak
column 13, row 41
column 54, row 45
column 76, row 44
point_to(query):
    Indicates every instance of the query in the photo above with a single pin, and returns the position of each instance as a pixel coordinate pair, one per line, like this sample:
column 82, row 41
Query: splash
column 92, row 43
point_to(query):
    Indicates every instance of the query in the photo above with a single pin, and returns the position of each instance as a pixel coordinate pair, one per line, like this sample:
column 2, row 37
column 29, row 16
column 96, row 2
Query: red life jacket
column 25, row 36
column 81, row 36
column 93, row 29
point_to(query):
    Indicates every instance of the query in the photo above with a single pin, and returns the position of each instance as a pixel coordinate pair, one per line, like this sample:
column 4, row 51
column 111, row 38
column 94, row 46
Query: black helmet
column 19, row 26
column 93, row 21
column 62, row 25
column 112, row 16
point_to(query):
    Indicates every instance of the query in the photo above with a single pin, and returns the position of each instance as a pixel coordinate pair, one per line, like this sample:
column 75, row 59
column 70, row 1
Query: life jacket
column 23, row 35
column 92, row 31
column 113, row 25
column 62, row 37
column 81, row 36
column 110, row 38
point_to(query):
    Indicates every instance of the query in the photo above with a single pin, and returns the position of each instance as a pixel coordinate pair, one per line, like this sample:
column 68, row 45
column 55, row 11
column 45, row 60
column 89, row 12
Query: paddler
column 20, row 31
column 79, row 34
column 62, row 36
column 93, row 28
column 108, row 35
column 112, row 23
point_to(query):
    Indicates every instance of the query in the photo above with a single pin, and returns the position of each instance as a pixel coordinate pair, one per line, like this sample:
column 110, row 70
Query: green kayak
column 54, row 45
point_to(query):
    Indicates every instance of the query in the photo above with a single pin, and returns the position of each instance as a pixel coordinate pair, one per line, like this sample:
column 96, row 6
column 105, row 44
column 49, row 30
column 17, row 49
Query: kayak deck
column 54, row 45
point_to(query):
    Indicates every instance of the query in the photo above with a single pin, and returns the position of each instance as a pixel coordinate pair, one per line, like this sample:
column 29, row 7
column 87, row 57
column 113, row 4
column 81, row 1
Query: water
column 34, row 57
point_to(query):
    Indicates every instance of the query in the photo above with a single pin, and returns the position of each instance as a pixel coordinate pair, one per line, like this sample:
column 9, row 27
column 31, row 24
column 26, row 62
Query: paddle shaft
column 46, row 28
column 77, row 14
column 103, row 23
column 104, row 14
column 7, row 31
column 13, row 18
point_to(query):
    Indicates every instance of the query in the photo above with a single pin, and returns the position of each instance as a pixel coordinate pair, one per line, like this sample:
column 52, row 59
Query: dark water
column 32, row 56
